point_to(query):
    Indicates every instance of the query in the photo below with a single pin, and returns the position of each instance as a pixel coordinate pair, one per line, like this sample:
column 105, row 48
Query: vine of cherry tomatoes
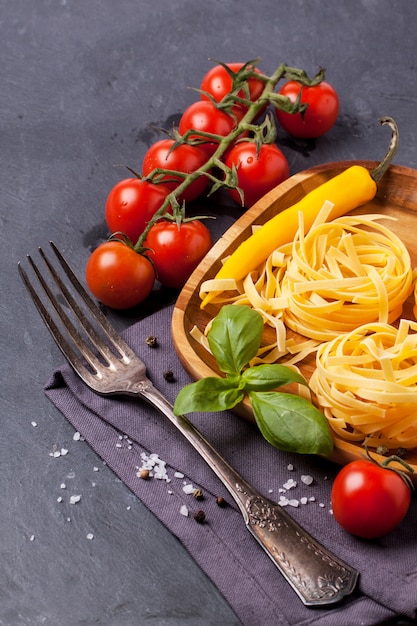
column 226, row 138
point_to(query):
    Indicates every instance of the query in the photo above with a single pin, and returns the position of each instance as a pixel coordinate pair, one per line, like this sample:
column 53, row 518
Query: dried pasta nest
column 365, row 382
column 343, row 274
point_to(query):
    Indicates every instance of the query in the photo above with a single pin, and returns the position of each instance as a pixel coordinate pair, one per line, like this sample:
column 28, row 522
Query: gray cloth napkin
column 124, row 432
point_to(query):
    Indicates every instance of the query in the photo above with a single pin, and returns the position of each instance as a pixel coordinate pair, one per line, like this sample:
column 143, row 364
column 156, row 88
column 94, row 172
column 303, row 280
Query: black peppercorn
column 221, row 501
column 169, row 376
column 199, row 516
column 152, row 341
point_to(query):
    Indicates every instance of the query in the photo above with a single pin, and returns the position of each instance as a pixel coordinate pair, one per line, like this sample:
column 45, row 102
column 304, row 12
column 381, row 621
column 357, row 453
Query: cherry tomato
column 131, row 204
column 176, row 251
column 257, row 174
column 203, row 115
column 369, row 500
column 118, row 276
column 183, row 158
column 218, row 83
column 320, row 115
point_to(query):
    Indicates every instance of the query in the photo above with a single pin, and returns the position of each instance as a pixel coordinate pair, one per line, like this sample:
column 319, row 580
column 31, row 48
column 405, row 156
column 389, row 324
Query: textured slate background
column 82, row 85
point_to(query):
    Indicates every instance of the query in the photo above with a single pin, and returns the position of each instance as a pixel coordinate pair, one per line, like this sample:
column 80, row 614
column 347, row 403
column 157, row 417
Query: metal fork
column 109, row 366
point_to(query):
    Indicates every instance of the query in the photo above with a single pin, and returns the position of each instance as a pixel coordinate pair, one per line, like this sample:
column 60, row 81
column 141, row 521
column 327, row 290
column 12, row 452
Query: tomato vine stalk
column 262, row 133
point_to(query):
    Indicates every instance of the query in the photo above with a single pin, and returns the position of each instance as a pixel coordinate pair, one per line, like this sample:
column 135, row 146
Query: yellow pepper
column 346, row 191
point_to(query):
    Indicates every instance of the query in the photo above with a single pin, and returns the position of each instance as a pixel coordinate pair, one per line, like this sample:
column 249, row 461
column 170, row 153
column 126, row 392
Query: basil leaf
column 235, row 337
column 208, row 394
column 291, row 423
column 267, row 377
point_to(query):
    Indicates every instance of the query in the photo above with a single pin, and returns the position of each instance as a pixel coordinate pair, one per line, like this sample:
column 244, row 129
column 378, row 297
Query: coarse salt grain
column 294, row 503
column 76, row 436
column 178, row 475
column 184, row 510
column 189, row 488
column 290, row 484
column 306, row 479
column 75, row 499
column 34, row 424
column 64, row 451
column 90, row 536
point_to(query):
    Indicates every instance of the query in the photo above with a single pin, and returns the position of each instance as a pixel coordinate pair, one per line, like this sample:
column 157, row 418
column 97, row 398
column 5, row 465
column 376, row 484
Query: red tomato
column 131, row 204
column 204, row 116
column 218, row 83
column 176, row 251
column 184, row 158
column 369, row 500
column 257, row 174
column 118, row 276
column 321, row 113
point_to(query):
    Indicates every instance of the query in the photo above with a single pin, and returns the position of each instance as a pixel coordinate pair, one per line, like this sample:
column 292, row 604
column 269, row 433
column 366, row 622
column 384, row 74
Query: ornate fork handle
column 315, row 574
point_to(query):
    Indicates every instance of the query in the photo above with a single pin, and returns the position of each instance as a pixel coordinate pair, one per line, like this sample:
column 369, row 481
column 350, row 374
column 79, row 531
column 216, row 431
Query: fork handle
column 316, row 575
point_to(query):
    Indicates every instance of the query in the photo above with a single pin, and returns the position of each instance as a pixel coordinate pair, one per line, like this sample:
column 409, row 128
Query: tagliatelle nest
column 343, row 274
column 365, row 382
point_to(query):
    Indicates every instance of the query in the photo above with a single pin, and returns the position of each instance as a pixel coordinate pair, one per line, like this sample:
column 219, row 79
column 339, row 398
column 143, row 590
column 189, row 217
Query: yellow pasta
column 365, row 382
column 345, row 273
column 341, row 286
column 338, row 276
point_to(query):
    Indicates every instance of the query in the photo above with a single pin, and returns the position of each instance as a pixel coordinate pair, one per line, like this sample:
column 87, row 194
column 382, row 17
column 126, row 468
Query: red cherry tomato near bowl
column 204, row 116
column 184, row 158
column 369, row 500
column 118, row 276
column 257, row 173
column 131, row 204
column 320, row 115
column 177, row 250
column 218, row 83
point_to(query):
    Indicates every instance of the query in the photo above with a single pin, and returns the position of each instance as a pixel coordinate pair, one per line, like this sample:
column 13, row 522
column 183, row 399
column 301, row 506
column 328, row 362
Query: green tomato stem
column 253, row 110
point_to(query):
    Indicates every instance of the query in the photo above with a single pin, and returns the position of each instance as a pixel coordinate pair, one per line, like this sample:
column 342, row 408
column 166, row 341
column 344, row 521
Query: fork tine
column 105, row 325
column 53, row 327
column 91, row 332
column 116, row 352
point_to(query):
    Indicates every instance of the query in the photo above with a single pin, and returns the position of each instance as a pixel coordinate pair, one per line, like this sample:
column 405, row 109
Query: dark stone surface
column 82, row 87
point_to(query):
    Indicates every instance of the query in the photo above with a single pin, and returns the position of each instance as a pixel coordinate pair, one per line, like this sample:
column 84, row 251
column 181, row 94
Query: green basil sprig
column 287, row 421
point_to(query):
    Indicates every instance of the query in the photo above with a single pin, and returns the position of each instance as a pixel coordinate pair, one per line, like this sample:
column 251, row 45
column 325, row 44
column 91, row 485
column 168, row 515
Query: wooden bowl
column 396, row 196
